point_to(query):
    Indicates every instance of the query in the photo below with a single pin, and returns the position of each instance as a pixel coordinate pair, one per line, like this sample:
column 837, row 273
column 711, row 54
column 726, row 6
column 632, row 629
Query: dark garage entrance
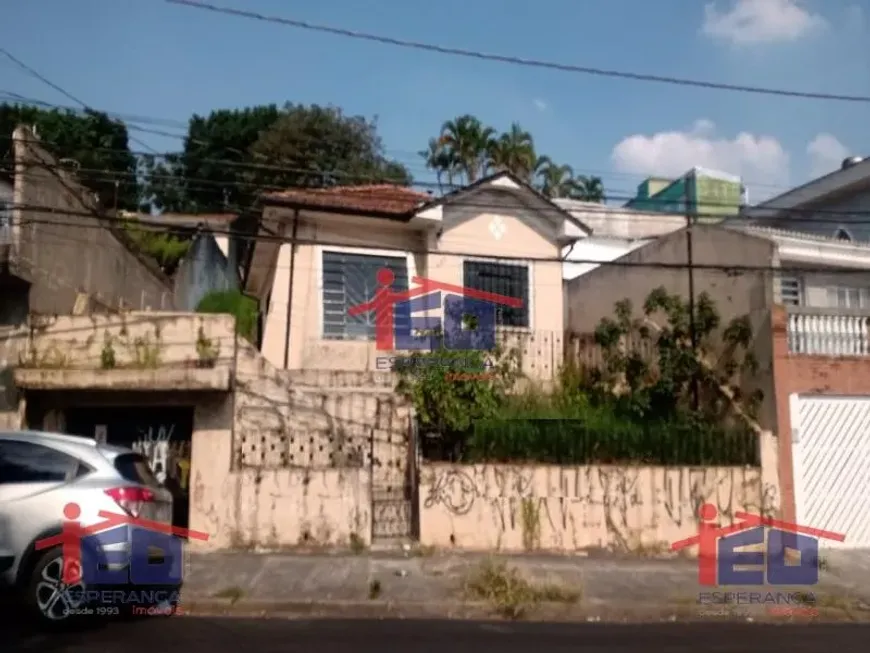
column 160, row 433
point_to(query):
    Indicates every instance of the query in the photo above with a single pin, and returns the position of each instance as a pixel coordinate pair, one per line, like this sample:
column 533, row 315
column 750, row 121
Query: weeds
column 233, row 594
column 511, row 595
column 375, row 589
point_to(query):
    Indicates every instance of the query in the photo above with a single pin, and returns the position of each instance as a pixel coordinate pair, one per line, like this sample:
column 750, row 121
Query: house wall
column 471, row 237
column 809, row 374
column 65, row 250
column 592, row 296
column 6, row 201
column 205, row 269
column 568, row 508
column 286, row 459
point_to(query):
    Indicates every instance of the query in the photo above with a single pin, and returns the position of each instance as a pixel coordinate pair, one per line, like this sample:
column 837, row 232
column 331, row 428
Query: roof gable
column 507, row 181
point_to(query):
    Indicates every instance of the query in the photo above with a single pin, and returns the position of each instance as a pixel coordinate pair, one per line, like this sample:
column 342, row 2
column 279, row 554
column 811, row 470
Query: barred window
column 351, row 279
column 504, row 279
column 790, row 290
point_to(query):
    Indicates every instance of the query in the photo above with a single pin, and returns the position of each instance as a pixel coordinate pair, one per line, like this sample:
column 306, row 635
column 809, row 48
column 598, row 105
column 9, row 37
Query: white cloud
column 757, row 158
column 826, row 154
column 540, row 105
column 760, row 21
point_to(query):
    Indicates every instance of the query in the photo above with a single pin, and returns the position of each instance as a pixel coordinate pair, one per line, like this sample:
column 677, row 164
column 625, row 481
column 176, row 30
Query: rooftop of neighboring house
column 853, row 174
column 383, row 199
column 183, row 220
column 620, row 221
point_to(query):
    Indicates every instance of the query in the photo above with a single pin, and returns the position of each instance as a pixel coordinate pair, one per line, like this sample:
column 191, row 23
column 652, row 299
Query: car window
column 134, row 468
column 26, row 462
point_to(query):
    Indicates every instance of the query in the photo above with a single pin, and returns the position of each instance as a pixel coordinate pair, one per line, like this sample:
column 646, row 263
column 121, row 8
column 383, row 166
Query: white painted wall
column 589, row 253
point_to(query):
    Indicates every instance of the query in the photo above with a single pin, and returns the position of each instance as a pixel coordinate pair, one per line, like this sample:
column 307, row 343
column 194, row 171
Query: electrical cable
column 515, row 60
column 103, row 222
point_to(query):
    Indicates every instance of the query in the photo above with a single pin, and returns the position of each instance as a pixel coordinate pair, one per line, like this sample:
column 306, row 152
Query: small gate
column 160, row 433
column 831, row 458
column 393, row 472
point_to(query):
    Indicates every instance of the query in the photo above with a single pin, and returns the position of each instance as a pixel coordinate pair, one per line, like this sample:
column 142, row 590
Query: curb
column 552, row 612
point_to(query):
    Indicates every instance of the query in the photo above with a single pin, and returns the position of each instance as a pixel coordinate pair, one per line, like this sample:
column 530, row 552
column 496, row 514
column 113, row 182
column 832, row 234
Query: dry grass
column 511, row 595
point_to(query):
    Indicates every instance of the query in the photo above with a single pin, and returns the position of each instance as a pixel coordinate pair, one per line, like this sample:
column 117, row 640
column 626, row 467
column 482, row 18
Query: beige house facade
column 498, row 236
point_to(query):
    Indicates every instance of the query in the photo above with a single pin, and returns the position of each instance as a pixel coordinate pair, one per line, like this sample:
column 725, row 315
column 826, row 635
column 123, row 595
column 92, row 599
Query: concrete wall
column 592, row 296
column 65, row 249
column 466, row 235
column 137, row 340
column 205, row 269
column 285, row 459
column 528, row 508
column 299, row 459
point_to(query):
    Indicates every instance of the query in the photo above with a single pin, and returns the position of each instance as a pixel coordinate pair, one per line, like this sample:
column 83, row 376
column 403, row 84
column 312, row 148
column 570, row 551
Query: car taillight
column 130, row 499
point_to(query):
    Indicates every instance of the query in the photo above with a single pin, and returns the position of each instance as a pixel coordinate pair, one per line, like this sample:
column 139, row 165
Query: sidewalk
column 561, row 587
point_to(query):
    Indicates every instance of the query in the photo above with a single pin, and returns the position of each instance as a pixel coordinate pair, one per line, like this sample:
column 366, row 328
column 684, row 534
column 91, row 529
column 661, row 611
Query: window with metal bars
column 790, row 290
column 504, row 279
column 351, row 279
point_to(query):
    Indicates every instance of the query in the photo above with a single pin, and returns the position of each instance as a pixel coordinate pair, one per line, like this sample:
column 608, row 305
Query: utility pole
column 689, row 192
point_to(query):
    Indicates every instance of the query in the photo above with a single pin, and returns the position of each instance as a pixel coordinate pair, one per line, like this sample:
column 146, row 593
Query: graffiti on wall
column 169, row 459
column 566, row 507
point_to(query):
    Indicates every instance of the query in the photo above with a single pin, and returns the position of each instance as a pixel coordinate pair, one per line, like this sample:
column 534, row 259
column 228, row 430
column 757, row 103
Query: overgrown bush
column 635, row 408
column 236, row 303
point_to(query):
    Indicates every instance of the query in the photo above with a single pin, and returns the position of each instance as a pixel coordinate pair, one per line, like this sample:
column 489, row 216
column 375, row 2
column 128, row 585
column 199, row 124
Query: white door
column 831, row 458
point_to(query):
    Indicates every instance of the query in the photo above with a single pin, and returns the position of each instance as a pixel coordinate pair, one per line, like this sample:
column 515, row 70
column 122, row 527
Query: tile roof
column 377, row 198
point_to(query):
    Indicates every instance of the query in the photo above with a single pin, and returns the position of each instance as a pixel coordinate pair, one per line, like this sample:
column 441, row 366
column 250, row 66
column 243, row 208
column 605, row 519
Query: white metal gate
column 831, row 457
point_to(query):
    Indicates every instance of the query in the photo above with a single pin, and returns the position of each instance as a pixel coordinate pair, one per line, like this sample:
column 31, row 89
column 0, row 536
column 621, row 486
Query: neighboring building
column 203, row 270
column 707, row 194
column 615, row 232
column 751, row 290
column 62, row 254
column 498, row 235
column 212, row 261
column 836, row 205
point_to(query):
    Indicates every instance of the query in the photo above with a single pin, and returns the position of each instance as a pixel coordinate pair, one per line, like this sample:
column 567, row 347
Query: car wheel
column 50, row 600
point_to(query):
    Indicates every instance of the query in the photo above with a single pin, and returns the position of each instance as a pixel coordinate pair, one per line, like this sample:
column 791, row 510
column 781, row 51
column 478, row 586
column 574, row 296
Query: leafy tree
column 663, row 385
column 314, row 146
column 165, row 248
column 211, row 173
column 89, row 143
column 232, row 155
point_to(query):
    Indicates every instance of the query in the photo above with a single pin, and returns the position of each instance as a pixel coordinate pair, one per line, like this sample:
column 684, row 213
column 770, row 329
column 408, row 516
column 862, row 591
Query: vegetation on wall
column 636, row 407
column 165, row 248
column 236, row 303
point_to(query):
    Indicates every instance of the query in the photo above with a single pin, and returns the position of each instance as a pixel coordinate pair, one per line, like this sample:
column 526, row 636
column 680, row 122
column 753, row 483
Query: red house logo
column 720, row 562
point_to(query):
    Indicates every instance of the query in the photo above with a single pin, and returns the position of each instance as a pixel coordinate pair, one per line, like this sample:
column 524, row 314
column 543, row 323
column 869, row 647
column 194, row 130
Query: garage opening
column 160, row 433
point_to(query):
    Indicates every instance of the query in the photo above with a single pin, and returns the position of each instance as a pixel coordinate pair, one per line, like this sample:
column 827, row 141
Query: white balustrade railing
column 828, row 332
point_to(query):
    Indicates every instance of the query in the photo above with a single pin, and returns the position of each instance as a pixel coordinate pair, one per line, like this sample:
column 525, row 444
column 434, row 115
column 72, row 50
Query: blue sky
column 149, row 58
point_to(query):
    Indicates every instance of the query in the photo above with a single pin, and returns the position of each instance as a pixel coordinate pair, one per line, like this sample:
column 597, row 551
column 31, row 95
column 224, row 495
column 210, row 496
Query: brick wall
column 79, row 252
column 802, row 373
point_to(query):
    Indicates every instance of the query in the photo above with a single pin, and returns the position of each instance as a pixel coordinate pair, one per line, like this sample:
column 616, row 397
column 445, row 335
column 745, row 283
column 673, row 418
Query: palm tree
column 440, row 159
column 514, row 151
column 557, row 181
column 467, row 139
column 587, row 189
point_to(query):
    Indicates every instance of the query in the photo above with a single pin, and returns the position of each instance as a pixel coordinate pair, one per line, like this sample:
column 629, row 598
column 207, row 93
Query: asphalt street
column 230, row 635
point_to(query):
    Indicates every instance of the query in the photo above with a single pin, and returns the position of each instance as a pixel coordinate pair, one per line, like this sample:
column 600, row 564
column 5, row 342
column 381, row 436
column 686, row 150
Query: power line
column 104, row 222
column 197, row 183
column 129, row 121
column 62, row 91
column 519, row 61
